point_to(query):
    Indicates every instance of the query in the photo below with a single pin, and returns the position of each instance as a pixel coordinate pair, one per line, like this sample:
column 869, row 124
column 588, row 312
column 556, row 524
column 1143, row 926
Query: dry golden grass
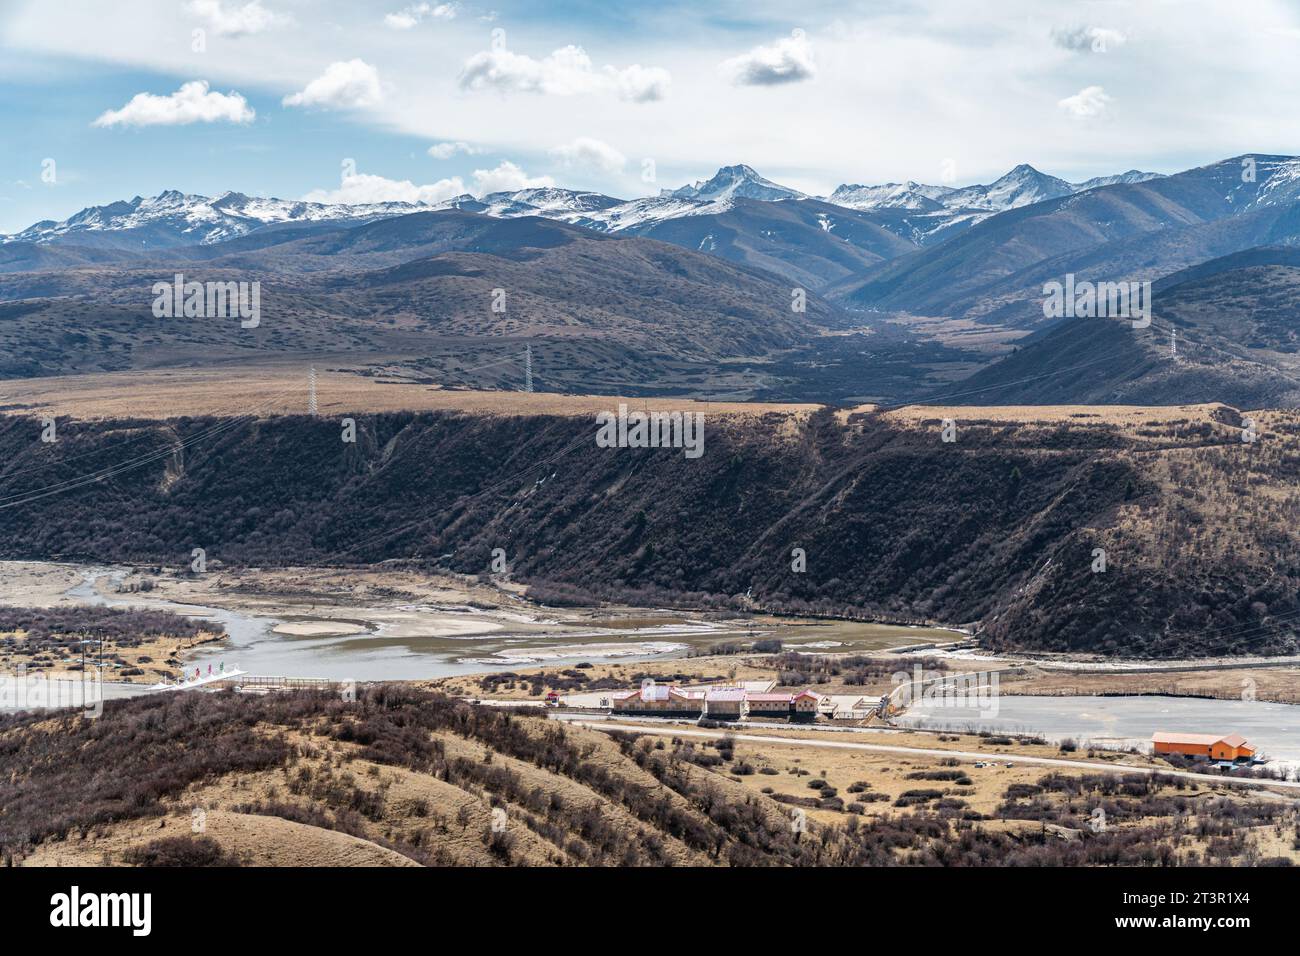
column 1129, row 416
column 268, row 390
column 258, row 840
column 149, row 655
column 887, row 774
column 280, row 388
column 451, row 822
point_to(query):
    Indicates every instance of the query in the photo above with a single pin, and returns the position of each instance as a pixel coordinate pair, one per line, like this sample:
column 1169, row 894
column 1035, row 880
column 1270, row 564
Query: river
column 423, row 641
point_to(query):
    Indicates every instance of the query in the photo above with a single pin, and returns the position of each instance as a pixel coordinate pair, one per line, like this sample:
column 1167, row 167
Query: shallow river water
column 423, row 641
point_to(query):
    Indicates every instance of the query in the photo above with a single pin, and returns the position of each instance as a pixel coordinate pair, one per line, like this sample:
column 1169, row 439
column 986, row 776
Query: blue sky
column 598, row 94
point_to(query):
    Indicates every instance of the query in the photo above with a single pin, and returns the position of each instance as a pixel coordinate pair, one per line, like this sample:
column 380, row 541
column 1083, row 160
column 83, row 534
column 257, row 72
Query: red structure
column 1208, row 746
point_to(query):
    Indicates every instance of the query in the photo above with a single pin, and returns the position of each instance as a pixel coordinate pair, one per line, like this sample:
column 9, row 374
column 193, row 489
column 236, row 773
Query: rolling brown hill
column 401, row 776
column 413, row 297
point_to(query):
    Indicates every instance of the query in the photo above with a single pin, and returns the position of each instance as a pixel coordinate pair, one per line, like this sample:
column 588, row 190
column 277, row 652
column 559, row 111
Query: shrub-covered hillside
column 1001, row 527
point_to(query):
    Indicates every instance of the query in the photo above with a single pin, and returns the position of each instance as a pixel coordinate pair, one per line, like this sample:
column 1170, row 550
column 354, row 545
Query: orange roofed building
column 1210, row 746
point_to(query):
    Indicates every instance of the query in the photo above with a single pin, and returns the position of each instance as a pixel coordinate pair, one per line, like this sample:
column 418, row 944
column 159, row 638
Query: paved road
column 1019, row 758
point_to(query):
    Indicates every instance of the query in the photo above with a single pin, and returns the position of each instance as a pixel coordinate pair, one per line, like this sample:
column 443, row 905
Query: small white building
column 807, row 705
column 769, row 705
column 724, row 703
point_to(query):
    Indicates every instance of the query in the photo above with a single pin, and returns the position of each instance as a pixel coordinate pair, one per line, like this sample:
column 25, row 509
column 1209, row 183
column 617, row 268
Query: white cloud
column 448, row 150
column 361, row 188
column 507, row 177
column 788, row 60
column 407, row 18
column 921, row 80
column 252, row 17
column 1083, row 39
column 192, row 103
column 592, row 153
column 1088, row 103
column 640, row 84
column 344, row 85
column 566, row 72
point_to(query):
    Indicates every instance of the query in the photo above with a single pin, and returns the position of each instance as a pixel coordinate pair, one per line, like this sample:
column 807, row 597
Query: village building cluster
column 716, row 703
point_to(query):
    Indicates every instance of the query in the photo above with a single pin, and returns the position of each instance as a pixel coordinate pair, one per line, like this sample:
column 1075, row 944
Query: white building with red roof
column 769, row 705
column 807, row 705
column 662, row 699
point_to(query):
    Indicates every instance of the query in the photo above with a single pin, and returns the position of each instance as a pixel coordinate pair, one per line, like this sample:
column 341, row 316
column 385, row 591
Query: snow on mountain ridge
column 192, row 216
column 1282, row 183
column 1022, row 186
column 173, row 216
column 1132, row 176
column 908, row 195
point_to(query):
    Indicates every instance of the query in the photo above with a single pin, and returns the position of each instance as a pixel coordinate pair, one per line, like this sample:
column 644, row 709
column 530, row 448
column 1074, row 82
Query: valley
column 735, row 288
column 819, row 437
column 386, row 625
column 864, row 493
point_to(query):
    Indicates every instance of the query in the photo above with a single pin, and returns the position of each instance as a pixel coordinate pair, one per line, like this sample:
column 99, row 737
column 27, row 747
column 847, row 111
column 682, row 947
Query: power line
column 158, row 454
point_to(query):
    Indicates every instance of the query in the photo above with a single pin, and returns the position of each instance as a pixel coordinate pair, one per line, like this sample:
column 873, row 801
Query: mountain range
column 736, row 214
column 994, row 271
column 914, row 290
column 175, row 218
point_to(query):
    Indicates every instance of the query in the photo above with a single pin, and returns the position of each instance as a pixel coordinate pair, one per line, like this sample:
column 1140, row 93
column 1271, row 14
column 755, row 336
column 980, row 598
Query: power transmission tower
column 311, row 395
column 528, row 368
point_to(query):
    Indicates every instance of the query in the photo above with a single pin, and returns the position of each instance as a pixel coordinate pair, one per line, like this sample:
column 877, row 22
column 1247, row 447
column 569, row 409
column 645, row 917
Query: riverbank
column 385, row 625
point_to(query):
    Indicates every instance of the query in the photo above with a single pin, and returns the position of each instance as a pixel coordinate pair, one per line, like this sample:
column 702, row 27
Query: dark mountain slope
column 809, row 242
column 393, row 241
column 1225, row 330
column 1017, row 300
column 998, row 527
column 33, row 257
column 1260, row 256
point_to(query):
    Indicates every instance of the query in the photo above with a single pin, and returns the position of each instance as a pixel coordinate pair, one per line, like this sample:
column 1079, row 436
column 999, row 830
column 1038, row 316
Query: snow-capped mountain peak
column 734, row 182
column 550, row 201
column 1022, row 186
